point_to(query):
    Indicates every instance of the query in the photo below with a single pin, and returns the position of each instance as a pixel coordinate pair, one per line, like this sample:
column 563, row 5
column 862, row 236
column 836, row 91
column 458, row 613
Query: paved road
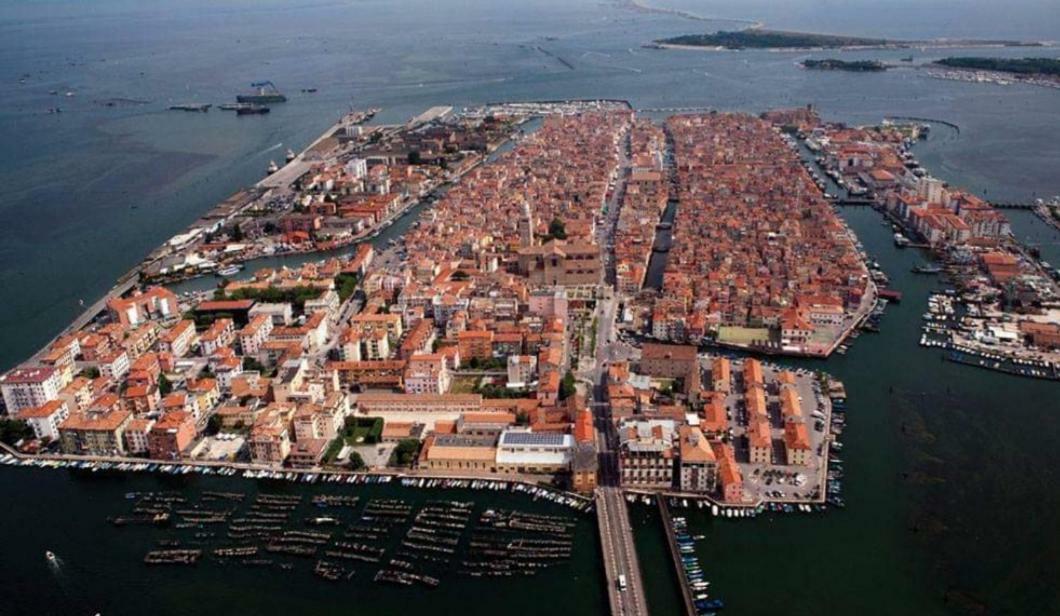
column 616, row 535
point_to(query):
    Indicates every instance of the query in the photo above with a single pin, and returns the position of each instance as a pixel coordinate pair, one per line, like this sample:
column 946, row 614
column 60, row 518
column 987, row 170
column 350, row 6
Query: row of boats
column 692, row 571
column 576, row 503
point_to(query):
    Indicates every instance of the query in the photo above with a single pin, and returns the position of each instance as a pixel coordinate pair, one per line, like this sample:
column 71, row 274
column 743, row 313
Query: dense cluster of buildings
column 463, row 343
column 759, row 258
column 705, row 425
column 345, row 187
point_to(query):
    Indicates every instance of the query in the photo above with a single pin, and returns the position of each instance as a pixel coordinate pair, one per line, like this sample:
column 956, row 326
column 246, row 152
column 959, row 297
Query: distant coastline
column 855, row 66
column 782, row 40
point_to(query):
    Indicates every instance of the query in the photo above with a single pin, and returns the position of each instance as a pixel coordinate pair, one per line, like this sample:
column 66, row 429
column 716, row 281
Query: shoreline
column 883, row 47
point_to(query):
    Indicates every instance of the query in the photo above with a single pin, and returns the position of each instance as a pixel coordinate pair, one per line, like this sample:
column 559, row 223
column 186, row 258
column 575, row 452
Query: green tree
column 567, row 387
column 14, row 430
column 164, row 386
column 356, row 462
column 557, row 229
column 405, row 452
column 213, row 425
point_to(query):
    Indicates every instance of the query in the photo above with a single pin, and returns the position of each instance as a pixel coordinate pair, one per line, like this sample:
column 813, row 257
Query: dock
column 675, row 557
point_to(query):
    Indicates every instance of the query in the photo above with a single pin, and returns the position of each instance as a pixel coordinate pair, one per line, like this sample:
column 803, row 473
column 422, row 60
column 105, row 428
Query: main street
column 616, row 535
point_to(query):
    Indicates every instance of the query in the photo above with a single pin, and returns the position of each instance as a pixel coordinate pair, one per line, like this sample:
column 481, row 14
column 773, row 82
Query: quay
column 929, row 120
column 675, row 557
column 407, row 478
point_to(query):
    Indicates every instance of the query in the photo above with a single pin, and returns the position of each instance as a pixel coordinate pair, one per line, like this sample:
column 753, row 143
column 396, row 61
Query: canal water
column 101, row 568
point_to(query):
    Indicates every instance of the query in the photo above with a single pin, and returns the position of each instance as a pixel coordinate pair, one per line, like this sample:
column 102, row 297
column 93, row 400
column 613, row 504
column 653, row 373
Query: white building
column 27, row 387
column 45, row 419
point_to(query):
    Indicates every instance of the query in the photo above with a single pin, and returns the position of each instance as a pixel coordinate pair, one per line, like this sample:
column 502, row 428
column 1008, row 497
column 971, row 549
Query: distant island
column 756, row 38
column 833, row 64
column 1016, row 66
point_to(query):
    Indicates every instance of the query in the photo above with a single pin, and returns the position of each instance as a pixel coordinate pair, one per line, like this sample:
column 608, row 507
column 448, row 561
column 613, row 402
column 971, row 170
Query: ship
column 926, row 269
column 231, row 270
column 262, row 92
column 202, row 108
column 900, row 240
column 252, row 109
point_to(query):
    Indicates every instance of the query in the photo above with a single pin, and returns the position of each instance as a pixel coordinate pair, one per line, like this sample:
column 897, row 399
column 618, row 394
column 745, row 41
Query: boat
column 273, row 167
column 900, row 240
column 252, row 110
column 926, row 269
column 262, row 92
column 290, row 155
column 51, row 556
column 231, row 270
column 202, row 108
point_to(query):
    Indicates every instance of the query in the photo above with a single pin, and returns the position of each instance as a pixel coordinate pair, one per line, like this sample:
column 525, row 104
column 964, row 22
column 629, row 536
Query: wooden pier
column 675, row 554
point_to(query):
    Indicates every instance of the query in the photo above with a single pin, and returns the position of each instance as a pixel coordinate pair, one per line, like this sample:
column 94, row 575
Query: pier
column 675, row 557
column 928, row 120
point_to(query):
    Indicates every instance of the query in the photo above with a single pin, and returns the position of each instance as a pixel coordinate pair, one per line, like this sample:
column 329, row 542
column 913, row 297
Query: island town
column 513, row 337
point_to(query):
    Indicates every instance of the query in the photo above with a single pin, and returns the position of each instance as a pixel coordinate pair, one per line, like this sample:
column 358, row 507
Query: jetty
column 675, row 557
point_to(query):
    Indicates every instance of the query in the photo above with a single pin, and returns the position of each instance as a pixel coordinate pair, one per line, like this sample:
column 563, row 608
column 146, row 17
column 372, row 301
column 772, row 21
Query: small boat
column 926, row 269
column 290, row 155
column 273, row 167
column 231, row 270
column 51, row 556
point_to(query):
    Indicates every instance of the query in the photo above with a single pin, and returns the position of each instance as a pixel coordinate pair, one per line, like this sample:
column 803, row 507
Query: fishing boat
column 926, row 269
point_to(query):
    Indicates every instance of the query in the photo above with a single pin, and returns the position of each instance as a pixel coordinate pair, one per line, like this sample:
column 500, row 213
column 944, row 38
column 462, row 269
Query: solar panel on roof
column 533, row 438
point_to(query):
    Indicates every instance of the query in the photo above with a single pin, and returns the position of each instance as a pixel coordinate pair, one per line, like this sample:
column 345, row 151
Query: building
column 307, row 453
column 171, row 435
column 178, row 339
column 584, row 460
column 135, row 435
column 381, row 404
column 156, row 302
column 460, row 453
column 95, row 433
column 254, row 334
column 28, row 387
column 759, row 440
column 646, row 452
column 522, row 370
column 669, row 361
column 728, row 473
column 699, row 466
column 520, row 450
column 46, row 418
column 797, row 443
column 559, row 263
column 427, row 374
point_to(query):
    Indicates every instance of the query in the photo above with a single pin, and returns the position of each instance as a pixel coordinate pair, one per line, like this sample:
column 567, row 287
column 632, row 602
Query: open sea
column 951, row 471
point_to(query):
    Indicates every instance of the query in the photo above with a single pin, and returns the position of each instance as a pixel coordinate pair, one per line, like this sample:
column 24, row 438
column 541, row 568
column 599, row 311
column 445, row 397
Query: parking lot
column 778, row 481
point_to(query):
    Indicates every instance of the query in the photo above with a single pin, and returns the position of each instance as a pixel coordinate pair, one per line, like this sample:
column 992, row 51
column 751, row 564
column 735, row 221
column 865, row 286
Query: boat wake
column 270, row 149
